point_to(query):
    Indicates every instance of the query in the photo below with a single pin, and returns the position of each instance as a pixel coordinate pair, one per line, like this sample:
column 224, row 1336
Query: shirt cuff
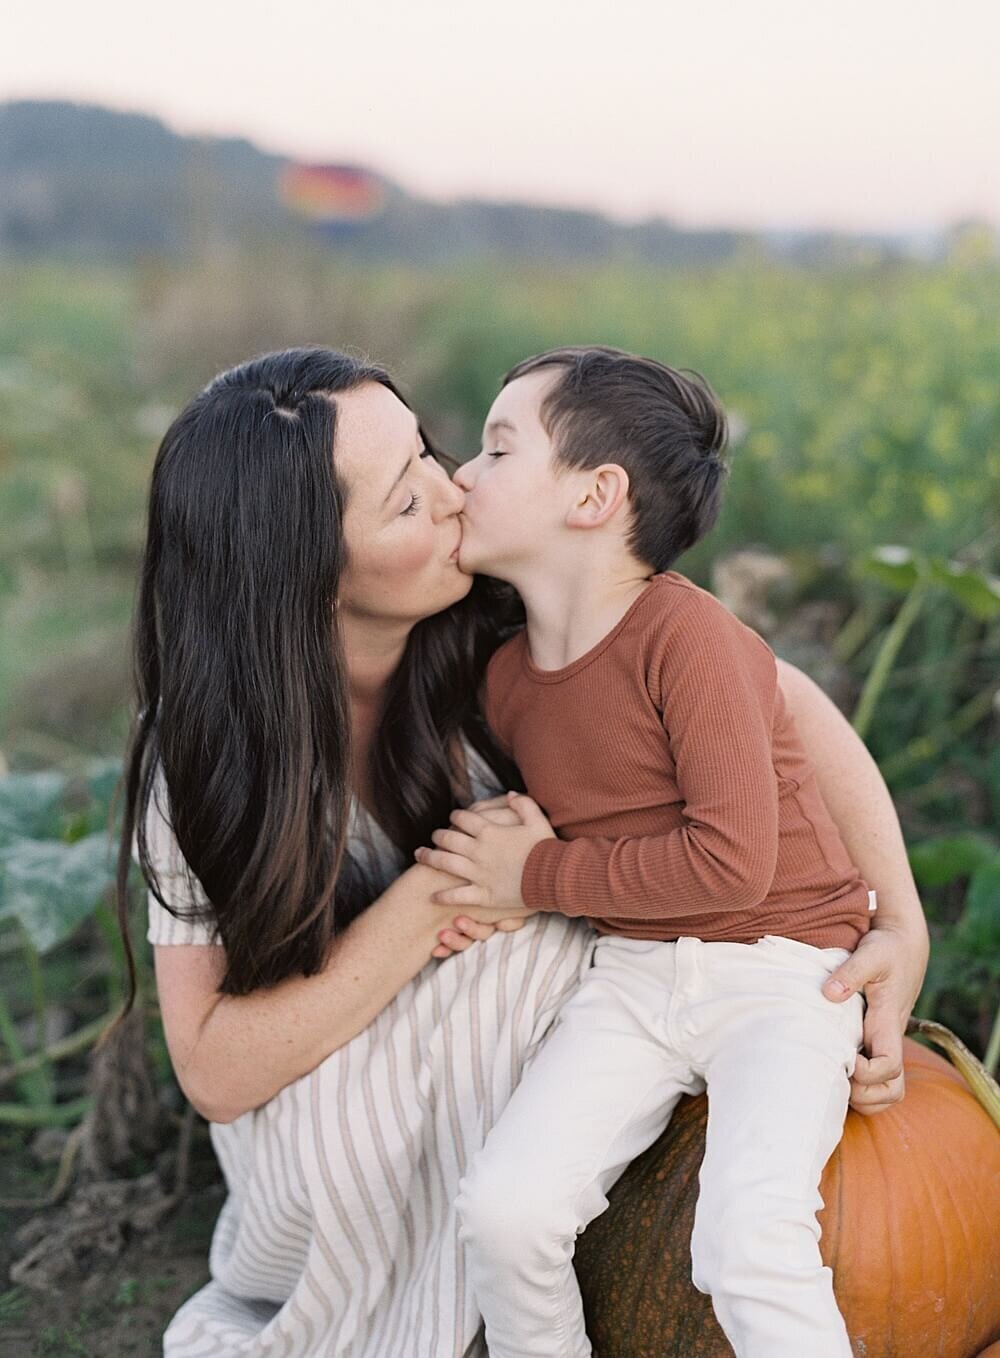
column 538, row 878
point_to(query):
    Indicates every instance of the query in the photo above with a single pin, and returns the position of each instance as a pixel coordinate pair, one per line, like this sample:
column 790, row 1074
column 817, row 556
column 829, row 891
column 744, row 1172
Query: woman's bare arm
column 856, row 796
column 889, row 962
column 232, row 1053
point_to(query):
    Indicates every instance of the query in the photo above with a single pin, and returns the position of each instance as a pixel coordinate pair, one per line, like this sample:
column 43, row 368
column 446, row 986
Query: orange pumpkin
column 909, row 1228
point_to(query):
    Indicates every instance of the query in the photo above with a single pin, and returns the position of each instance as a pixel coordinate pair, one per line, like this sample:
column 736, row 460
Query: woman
column 307, row 660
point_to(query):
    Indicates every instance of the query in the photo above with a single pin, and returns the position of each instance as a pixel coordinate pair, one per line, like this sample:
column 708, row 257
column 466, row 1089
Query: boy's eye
column 496, row 454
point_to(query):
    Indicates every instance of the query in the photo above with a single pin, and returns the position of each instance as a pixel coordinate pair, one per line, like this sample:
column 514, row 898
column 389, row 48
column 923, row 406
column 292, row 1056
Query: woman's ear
column 601, row 495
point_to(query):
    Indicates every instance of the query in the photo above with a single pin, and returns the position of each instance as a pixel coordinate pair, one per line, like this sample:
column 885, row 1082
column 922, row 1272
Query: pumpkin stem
column 968, row 1065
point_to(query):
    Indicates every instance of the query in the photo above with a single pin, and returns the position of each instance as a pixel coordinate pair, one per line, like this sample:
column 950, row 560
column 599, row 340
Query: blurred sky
column 859, row 114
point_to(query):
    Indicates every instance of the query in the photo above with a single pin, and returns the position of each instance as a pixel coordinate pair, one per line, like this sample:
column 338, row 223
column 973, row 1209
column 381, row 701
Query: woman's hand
column 465, row 932
column 888, row 967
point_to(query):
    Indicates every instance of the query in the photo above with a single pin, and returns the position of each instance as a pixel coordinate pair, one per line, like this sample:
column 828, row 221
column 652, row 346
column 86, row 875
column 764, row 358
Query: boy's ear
column 601, row 495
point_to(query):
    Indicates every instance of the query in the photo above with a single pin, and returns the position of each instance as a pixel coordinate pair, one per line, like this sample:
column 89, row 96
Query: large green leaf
column 979, row 927
column 52, row 887
column 936, row 862
column 103, row 777
column 978, row 593
column 30, row 805
column 900, row 568
column 897, row 567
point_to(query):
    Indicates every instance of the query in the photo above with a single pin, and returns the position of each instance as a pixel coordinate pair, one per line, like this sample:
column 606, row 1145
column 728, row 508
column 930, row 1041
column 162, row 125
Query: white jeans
column 650, row 1022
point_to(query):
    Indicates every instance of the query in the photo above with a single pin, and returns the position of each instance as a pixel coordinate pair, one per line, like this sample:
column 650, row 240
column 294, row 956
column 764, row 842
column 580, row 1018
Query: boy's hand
column 490, row 857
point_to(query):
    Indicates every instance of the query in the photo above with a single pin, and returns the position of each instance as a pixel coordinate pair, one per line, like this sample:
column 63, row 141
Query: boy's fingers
column 501, row 815
column 454, row 841
column 444, row 862
column 442, row 950
column 528, row 809
column 469, row 821
column 510, row 926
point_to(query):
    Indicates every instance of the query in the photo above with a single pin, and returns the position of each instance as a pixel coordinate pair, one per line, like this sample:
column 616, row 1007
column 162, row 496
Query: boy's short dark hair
column 663, row 425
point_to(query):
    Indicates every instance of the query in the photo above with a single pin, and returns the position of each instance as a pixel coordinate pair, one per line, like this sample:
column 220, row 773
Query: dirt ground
column 118, row 1303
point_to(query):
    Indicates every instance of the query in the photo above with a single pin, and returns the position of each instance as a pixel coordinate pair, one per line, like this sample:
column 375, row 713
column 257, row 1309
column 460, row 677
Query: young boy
column 647, row 721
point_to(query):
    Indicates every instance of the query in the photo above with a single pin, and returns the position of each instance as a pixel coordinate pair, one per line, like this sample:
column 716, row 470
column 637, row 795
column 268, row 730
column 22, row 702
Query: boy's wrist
column 539, row 874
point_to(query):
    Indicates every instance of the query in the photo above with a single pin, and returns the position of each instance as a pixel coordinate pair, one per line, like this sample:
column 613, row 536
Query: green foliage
column 965, row 956
column 864, row 410
column 55, row 863
column 902, row 569
column 937, row 862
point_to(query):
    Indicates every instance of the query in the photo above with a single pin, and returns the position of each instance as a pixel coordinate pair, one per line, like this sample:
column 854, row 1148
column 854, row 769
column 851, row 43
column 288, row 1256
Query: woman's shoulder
column 176, row 883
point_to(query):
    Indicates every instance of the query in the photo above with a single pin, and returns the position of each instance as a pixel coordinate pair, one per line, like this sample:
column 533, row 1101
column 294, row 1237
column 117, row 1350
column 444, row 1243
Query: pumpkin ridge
column 956, row 1166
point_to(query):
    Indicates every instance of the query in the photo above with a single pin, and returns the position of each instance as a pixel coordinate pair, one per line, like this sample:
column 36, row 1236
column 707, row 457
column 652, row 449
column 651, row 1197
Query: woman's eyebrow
column 420, row 447
column 403, row 471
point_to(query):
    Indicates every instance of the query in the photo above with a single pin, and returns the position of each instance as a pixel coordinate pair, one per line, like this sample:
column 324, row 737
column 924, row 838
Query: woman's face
column 401, row 523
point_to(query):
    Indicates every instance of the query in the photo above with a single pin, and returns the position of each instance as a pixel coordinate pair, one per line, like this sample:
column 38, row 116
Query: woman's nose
column 462, row 478
column 452, row 499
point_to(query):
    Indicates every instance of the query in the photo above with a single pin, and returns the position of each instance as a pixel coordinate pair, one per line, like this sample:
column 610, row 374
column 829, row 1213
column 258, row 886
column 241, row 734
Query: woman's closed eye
column 415, row 500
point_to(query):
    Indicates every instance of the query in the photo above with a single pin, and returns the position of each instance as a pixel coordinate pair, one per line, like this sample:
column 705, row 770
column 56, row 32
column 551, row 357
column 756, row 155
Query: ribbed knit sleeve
column 715, row 684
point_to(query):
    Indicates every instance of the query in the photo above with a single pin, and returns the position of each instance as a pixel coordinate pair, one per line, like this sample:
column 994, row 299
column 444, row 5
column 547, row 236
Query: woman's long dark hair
column 241, row 686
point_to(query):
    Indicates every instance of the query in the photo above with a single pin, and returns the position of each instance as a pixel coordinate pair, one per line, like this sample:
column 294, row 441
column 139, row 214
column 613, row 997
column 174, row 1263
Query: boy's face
column 514, row 501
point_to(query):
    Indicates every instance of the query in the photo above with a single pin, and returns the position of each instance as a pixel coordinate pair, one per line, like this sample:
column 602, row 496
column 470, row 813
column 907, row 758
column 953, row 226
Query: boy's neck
column 568, row 612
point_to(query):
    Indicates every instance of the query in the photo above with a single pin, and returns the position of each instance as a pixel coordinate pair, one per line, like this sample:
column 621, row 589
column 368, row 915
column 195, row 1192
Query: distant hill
column 86, row 182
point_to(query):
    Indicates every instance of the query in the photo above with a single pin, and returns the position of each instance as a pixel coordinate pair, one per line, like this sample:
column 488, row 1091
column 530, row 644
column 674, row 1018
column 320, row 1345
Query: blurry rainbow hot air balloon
column 336, row 199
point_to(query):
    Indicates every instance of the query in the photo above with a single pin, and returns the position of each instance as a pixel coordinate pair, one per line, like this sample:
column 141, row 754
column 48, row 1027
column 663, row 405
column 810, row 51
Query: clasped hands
column 490, row 843
column 488, row 851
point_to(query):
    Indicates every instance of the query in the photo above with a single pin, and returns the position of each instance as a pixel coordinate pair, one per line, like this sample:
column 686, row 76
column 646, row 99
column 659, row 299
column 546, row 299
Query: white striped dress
column 338, row 1237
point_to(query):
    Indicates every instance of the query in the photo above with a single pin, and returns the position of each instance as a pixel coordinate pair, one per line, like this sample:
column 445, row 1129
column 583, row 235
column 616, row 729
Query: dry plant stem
column 67, row 1161
column 64, row 1177
column 971, row 1069
column 34, row 1087
column 183, row 1155
column 67, row 1046
column 56, row 1115
column 37, row 984
column 929, row 745
column 992, row 1055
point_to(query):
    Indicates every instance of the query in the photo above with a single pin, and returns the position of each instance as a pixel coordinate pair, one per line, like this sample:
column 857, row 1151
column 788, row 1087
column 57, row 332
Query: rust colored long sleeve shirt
column 675, row 779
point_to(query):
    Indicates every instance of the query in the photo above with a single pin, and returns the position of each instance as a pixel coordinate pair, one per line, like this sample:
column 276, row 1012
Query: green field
column 865, row 411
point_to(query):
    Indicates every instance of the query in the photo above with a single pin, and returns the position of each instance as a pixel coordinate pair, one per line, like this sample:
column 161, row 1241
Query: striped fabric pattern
column 338, row 1235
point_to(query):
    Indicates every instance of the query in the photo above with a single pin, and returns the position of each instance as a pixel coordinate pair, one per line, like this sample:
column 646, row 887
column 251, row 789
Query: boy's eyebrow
column 500, row 424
